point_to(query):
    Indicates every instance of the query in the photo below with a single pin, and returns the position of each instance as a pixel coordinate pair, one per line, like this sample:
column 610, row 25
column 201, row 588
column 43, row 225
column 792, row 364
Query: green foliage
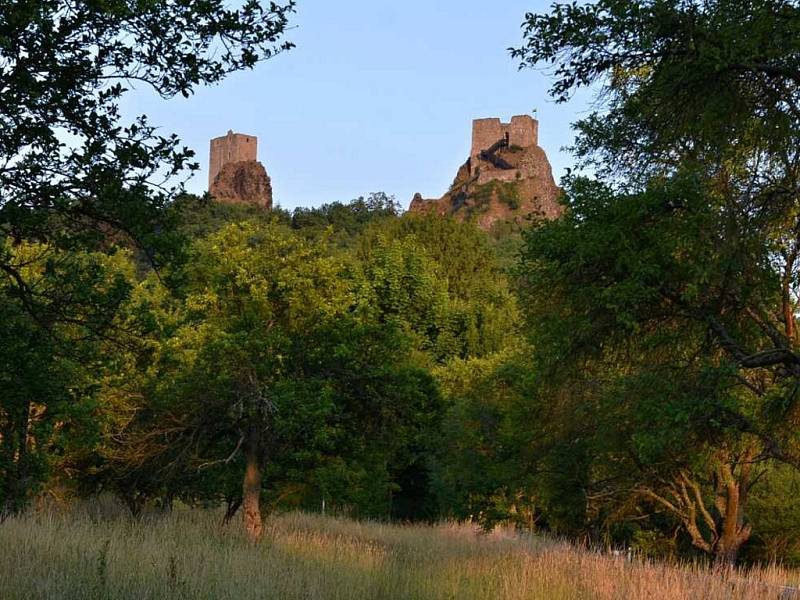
column 372, row 362
column 618, row 295
column 681, row 80
column 347, row 220
column 467, row 307
column 508, row 194
column 481, row 196
column 84, row 55
column 77, row 181
column 776, row 517
column 505, row 192
column 273, row 337
column 672, row 287
column 48, row 362
column 199, row 217
column 483, row 470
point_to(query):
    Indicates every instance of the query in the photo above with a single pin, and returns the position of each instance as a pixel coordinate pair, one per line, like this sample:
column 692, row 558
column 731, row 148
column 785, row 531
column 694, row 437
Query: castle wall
column 487, row 175
column 233, row 147
column 522, row 131
column 485, row 132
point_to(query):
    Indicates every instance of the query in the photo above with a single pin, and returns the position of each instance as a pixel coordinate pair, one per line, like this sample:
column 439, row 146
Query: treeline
column 626, row 374
column 350, row 357
column 299, row 350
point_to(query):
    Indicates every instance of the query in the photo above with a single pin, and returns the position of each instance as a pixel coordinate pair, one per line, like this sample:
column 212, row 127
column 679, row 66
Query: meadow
column 97, row 552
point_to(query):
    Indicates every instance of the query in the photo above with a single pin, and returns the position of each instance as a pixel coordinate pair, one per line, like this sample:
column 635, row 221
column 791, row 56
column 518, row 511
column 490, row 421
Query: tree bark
column 722, row 532
column 232, row 506
column 251, row 488
column 786, row 297
column 731, row 501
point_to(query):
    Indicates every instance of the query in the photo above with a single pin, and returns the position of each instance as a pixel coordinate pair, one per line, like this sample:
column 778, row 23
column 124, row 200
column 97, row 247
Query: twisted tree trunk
column 720, row 530
column 731, row 501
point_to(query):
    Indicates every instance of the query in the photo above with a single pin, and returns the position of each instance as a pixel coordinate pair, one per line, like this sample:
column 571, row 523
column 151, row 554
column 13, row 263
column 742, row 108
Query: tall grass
column 187, row 554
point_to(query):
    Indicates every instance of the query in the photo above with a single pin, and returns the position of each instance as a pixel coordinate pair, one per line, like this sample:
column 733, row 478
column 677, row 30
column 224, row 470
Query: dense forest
column 626, row 374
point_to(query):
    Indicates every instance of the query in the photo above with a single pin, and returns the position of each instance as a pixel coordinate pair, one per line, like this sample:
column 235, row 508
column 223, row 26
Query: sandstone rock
column 243, row 182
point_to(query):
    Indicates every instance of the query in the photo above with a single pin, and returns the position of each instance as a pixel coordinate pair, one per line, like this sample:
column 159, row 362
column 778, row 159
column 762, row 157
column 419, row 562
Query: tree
column 347, row 220
column 483, row 469
column 252, row 294
column 685, row 261
column 775, row 515
column 459, row 296
column 75, row 179
column 679, row 81
column 270, row 363
column 619, row 294
column 54, row 339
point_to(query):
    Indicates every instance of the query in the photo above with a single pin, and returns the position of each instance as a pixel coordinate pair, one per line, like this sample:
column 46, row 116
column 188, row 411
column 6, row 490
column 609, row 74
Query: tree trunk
column 251, row 489
column 731, row 501
column 786, row 300
column 232, row 506
column 728, row 546
column 723, row 532
column 134, row 501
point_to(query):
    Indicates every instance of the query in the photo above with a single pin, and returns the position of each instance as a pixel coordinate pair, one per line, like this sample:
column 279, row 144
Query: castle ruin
column 507, row 176
column 522, row 132
column 234, row 173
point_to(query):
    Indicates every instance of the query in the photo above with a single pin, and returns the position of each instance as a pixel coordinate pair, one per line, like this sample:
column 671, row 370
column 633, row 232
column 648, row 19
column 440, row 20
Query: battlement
column 233, row 147
column 522, row 131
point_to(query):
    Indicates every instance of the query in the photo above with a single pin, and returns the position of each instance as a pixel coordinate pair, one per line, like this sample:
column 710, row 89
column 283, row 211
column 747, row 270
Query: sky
column 378, row 95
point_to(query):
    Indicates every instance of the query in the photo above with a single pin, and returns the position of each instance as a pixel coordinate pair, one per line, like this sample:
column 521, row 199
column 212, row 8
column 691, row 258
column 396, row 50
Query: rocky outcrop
column 243, row 182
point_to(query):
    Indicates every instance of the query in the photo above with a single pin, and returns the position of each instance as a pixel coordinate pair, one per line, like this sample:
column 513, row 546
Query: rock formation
column 507, row 177
column 243, row 182
column 234, row 174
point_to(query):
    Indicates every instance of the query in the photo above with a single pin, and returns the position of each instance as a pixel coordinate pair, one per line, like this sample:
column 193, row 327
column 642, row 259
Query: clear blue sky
column 378, row 95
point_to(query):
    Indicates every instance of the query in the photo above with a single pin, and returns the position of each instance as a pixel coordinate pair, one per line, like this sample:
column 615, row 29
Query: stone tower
column 234, row 173
column 522, row 131
column 234, row 147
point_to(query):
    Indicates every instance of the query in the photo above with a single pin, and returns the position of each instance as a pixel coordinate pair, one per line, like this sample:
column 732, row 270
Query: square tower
column 522, row 131
column 485, row 133
column 233, row 147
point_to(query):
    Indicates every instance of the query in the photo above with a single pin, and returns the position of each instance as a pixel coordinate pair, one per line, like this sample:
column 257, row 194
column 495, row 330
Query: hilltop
column 506, row 179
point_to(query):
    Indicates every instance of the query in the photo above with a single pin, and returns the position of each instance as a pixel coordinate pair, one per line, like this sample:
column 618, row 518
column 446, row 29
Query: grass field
column 187, row 554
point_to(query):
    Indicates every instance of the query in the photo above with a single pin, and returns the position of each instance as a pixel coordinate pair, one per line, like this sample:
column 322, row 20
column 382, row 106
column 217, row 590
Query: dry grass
column 87, row 554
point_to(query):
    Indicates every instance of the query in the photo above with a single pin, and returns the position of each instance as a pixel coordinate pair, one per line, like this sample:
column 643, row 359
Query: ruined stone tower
column 522, row 131
column 507, row 177
column 234, row 173
column 234, row 147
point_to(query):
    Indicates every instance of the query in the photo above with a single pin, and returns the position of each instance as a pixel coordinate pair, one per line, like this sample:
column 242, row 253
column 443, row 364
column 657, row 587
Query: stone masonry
column 522, row 131
column 234, row 173
column 234, row 147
